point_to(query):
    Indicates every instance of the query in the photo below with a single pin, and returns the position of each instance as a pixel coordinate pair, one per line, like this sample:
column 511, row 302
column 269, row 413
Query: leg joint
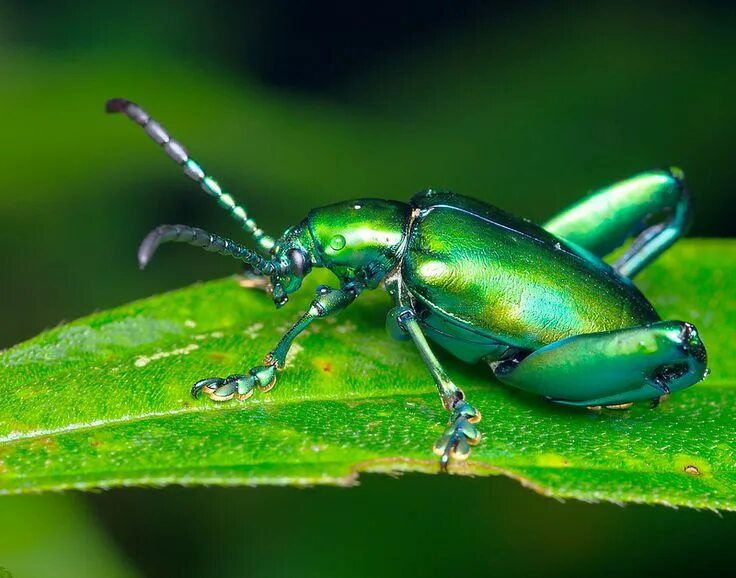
column 396, row 321
column 403, row 315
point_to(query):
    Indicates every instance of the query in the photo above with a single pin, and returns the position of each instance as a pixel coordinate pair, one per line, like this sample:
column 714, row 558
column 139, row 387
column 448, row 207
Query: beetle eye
column 337, row 243
column 298, row 261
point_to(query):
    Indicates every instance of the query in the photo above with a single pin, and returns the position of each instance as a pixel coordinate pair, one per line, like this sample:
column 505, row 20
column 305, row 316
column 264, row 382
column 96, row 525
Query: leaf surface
column 104, row 401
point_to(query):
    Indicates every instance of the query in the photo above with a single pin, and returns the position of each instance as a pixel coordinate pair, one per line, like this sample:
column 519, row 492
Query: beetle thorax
column 359, row 240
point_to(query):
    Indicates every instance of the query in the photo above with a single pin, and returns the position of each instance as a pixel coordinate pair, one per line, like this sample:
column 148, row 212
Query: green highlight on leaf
column 104, row 401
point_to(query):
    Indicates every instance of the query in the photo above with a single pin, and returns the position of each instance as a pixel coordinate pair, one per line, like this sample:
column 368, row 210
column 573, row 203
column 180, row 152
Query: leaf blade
column 351, row 401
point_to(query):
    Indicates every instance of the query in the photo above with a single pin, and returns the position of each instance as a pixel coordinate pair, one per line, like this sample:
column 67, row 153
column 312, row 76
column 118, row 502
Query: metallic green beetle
column 537, row 303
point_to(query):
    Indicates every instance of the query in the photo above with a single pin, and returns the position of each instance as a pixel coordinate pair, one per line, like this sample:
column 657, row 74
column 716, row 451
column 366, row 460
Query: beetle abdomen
column 511, row 279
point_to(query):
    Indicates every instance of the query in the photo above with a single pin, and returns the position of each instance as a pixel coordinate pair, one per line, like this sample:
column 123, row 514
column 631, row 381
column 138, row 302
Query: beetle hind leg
column 611, row 368
column 653, row 208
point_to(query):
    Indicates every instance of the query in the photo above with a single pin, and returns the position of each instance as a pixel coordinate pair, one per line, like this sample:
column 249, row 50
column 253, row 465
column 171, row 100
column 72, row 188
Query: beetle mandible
column 536, row 303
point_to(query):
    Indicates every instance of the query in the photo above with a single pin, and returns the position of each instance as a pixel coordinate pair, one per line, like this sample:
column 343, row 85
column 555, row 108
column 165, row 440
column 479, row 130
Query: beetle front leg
column 327, row 302
column 461, row 432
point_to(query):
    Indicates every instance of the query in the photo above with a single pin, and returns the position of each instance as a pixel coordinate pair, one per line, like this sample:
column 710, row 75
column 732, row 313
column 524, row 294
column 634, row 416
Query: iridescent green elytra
column 536, row 303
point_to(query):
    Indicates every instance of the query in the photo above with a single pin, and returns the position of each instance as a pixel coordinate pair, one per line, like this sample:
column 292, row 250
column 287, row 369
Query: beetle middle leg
column 461, row 431
column 653, row 207
column 327, row 302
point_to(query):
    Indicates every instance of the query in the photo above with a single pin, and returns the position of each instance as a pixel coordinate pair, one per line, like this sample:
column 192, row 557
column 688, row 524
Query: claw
column 457, row 448
column 219, row 389
column 460, row 435
column 204, row 385
column 444, row 460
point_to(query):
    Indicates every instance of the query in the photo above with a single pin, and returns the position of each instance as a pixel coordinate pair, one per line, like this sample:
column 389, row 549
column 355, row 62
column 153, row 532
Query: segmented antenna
column 191, row 168
column 200, row 238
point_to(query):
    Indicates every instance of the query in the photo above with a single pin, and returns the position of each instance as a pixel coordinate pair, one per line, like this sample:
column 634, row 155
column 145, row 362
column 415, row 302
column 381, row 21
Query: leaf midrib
column 152, row 416
column 206, row 408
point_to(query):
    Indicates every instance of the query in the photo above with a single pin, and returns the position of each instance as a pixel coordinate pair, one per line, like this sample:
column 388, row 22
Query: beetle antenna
column 191, row 168
column 201, row 238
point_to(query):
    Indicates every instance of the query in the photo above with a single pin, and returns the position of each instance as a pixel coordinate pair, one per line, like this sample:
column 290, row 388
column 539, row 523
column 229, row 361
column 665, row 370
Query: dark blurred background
column 527, row 105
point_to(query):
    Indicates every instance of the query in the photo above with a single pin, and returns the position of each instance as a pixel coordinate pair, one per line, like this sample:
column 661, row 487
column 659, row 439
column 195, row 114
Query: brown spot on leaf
column 44, row 443
column 692, row 470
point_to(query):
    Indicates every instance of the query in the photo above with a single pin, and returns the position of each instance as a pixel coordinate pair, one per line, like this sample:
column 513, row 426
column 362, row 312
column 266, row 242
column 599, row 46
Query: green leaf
column 104, row 401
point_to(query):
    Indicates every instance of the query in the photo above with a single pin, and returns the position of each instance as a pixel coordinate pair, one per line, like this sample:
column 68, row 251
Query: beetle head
column 293, row 257
column 356, row 240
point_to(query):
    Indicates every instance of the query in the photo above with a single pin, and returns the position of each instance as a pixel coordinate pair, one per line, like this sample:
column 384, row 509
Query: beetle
column 538, row 304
